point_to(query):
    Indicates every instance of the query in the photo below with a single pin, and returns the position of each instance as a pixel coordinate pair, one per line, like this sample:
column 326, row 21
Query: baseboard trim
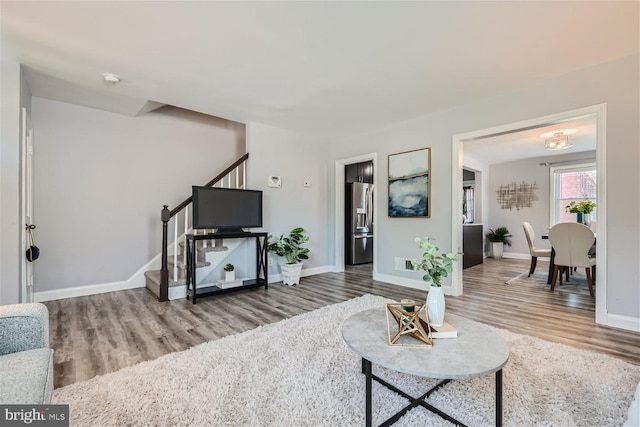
column 613, row 320
column 137, row 280
column 512, row 255
column 408, row 283
column 275, row 278
column 516, row 255
column 623, row 322
column 175, row 292
column 82, row 291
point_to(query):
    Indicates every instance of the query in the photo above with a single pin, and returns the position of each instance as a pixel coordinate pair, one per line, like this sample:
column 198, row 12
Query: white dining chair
column 535, row 253
column 572, row 242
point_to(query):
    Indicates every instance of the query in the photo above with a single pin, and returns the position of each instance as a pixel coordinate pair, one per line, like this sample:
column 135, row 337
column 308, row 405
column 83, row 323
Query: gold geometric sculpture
column 408, row 324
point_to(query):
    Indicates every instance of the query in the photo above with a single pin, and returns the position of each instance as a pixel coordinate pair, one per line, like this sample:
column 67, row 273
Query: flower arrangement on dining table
column 585, row 207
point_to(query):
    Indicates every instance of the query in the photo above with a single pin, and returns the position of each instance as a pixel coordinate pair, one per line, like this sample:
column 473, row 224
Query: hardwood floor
column 98, row 334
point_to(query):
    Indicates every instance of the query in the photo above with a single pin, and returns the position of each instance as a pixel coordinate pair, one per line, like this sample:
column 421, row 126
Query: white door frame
column 600, row 113
column 339, row 225
column 26, row 205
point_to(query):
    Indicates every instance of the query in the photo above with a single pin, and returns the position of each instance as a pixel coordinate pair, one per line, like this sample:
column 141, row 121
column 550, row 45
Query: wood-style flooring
column 98, row 334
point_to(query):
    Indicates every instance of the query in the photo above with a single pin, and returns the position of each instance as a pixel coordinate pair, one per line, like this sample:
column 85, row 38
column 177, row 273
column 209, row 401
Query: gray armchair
column 26, row 361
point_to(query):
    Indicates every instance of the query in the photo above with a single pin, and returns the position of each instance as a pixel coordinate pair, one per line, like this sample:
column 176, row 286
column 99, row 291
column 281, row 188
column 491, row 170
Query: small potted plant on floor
column 229, row 273
column 436, row 266
column 290, row 247
column 498, row 238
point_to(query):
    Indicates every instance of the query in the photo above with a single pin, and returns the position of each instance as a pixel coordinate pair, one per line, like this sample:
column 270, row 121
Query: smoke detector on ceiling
column 111, row 78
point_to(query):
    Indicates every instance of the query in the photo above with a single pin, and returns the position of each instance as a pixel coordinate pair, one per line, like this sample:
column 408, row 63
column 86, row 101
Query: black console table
column 261, row 279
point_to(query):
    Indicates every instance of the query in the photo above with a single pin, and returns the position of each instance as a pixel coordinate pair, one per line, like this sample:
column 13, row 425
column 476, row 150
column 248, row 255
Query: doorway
column 342, row 169
column 358, row 214
column 26, row 184
column 597, row 111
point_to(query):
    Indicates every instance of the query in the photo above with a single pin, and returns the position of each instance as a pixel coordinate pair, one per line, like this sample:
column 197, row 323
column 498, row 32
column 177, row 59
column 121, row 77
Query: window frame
column 554, row 186
column 468, row 192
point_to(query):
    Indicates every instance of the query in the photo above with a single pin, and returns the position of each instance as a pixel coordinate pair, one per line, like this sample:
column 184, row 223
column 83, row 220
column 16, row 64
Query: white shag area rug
column 299, row 372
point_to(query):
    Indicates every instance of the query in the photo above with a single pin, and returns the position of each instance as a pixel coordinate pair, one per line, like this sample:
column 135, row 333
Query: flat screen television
column 225, row 209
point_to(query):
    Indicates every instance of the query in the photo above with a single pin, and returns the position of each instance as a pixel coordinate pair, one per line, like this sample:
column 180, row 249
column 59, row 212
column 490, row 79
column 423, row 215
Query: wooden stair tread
column 182, row 266
column 200, row 246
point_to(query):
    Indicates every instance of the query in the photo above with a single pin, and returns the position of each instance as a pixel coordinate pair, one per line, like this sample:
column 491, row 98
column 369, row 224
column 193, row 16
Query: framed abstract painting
column 410, row 183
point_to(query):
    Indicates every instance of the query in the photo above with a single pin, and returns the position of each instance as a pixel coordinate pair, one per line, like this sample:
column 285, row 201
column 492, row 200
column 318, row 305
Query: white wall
column 100, row 180
column 295, row 158
column 614, row 83
column 395, row 236
column 15, row 96
column 529, row 171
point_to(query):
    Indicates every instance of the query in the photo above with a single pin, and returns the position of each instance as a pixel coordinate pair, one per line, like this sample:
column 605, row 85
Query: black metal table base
column 419, row 401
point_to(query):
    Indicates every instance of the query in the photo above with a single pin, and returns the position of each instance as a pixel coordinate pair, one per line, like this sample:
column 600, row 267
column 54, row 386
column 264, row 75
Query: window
column 571, row 183
column 468, row 204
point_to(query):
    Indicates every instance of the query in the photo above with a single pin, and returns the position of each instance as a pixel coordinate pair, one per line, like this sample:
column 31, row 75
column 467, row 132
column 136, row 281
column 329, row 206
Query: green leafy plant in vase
column 436, row 267
column 582, row 209
column 290, row 247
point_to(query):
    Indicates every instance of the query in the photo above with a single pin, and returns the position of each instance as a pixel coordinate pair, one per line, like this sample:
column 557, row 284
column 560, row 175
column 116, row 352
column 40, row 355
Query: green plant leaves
column 585, row 206
column 501, row 234
column 435, row 266
column 289, row 246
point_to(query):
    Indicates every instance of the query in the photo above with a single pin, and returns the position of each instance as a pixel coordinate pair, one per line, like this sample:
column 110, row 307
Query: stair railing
column 235, row 176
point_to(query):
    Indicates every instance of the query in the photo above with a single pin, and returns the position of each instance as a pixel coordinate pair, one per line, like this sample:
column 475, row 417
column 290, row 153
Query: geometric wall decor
column 517, row 195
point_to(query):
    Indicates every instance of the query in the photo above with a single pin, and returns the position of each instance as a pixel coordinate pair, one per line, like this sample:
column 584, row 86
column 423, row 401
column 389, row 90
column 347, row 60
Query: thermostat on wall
column 275, row 181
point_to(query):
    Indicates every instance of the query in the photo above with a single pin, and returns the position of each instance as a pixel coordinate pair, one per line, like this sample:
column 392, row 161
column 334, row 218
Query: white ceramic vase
column 291, row 273
column 496, row 249
column 435, row 305
column 229, row 276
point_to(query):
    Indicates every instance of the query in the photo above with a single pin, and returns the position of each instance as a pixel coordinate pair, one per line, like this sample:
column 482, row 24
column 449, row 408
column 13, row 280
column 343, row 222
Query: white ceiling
column 529, row 143
column 326, row 67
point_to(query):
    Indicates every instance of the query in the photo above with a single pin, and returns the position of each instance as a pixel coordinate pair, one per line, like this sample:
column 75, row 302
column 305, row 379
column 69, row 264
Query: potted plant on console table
column 290, row 247
column 435, row 267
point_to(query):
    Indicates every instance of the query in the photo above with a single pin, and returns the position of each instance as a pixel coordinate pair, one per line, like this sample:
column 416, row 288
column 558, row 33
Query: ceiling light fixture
column 111, row 78
column 559, row 141
column 549, row 134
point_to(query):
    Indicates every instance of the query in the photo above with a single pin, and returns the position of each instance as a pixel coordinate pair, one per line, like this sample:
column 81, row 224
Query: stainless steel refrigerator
column 358, row 223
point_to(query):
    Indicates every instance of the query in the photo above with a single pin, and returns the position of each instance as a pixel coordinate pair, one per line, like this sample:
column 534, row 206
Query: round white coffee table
column 477, row 351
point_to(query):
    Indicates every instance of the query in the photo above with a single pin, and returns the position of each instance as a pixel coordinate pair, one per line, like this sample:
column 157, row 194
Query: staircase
column 170, row 281
column 208, row 259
